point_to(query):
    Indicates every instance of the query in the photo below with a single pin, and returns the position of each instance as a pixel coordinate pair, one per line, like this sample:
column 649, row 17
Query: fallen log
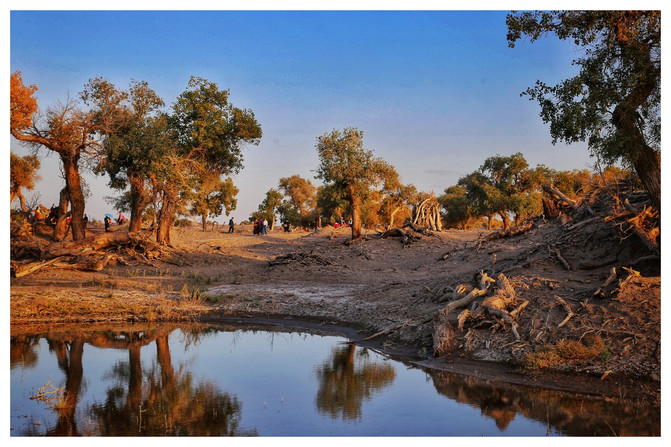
column 558, row 195
column 512, row 231
column 22, row 270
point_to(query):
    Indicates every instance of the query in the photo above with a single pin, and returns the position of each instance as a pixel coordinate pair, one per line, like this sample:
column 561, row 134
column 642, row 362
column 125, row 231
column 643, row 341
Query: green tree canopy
column 614, row 102
column 350, row 169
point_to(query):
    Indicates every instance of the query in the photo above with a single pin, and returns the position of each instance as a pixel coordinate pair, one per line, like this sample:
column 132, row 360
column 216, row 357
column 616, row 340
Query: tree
column 396, row 197
column 211, row 196
column 67, row 130
column 506, row 187
column 331, row 203
column 22, row 174
column 483, row 199
column 131, row 151
column 459, row 211
column 269, row 207
column 22, row 104
column 302, row 199
column 209, row 136
column 349, row 169
column 614, row 102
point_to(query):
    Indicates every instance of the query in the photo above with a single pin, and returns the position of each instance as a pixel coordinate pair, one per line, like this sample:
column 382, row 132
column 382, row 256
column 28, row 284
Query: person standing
column 265, row 226
column 231, row 226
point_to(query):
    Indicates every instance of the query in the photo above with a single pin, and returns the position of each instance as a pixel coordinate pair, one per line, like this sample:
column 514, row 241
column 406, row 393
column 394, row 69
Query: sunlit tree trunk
column 138, row 201
column 165, row 218
column 77, row 203
column 356, row 214
column 61, row 229
column 504, row 219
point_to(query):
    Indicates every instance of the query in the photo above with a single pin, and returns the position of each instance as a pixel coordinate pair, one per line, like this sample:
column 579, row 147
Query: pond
column 253, row 380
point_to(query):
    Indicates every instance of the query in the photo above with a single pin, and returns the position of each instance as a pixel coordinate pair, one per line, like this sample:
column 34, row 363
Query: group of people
column 260, row 226
column 108, row 220
column 341, row 223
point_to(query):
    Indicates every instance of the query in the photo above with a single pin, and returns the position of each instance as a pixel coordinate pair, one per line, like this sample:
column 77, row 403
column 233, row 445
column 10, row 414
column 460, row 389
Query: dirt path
column 380, row 285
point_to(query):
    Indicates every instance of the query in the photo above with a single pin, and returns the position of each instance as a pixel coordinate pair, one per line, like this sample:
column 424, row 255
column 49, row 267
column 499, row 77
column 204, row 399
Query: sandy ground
column 377, row 285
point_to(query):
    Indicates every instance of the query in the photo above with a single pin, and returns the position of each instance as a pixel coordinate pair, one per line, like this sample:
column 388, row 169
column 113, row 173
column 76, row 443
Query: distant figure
column 86, row 220
column 121, row 219
column 108, row 222
column 256, row 226
column 231, row 226
column 287, row 227
column 265, row 226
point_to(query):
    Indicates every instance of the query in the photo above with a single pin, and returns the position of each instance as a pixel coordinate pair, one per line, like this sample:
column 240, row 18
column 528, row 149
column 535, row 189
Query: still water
column 229, row 380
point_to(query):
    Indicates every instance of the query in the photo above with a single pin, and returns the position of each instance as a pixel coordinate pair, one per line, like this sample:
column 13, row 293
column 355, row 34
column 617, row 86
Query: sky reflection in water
column 229, row 380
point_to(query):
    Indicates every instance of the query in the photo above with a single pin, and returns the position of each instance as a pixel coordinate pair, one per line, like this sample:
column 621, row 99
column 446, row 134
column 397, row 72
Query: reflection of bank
column 565, row 413
column 345, row 382
column 154, row 402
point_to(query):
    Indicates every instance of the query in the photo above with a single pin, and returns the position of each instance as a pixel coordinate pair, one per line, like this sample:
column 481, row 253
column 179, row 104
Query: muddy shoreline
column 623, row 387
column 319, row 282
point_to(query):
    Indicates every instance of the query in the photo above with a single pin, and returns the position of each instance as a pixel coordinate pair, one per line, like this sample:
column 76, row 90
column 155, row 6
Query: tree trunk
column 138, row 201
column 165, row 219
column 504, row 218
column 391, row 217
column 356, row 214
column 22, row 200
column 204, row 218
column 61, row 229
column 77, row 202
column 648, row 167
column 489, row 222
column 645, row 159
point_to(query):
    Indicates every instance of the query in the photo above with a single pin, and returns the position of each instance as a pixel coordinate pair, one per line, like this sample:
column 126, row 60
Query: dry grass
column 102, row 303
column 567, row 351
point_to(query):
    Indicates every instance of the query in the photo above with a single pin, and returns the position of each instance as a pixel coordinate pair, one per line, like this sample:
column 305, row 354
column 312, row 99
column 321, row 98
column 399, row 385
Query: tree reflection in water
column 572, row 415
column 157, row 402
column 343, row 386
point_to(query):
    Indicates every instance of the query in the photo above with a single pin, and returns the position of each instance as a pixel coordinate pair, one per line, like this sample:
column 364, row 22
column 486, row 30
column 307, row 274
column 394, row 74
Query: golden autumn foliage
column 23, row 105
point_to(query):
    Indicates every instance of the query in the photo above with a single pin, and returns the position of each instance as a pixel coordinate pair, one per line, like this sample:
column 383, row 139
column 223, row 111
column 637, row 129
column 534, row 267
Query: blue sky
column 435, row 92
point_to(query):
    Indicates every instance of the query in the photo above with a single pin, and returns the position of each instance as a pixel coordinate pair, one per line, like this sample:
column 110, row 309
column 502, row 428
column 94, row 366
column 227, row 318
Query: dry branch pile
column 30, row 253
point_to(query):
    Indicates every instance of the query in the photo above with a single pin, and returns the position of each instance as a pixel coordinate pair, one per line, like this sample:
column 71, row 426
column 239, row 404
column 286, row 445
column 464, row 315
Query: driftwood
column 559, row 196
column 512, row 231
column 23, row 270
column 496, row 306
